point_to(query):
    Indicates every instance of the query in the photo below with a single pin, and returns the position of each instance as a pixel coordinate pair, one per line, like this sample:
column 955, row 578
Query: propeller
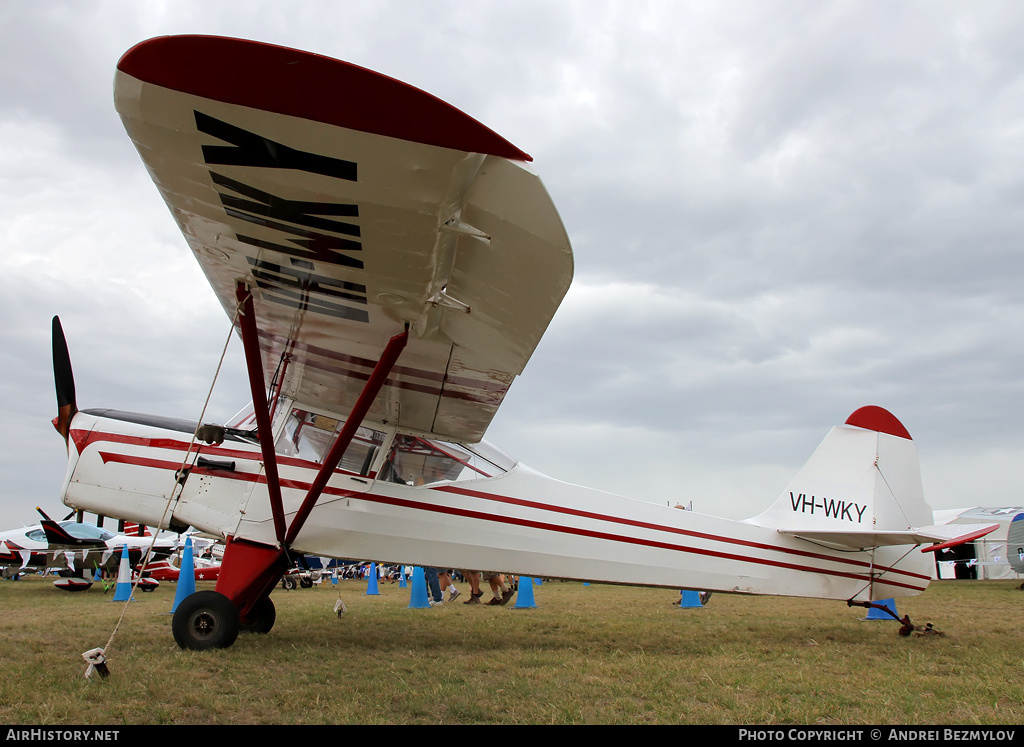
column 64, row 381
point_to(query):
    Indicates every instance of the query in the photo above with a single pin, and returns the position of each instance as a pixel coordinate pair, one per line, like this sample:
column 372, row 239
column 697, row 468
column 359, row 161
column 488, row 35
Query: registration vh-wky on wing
column 390, row 265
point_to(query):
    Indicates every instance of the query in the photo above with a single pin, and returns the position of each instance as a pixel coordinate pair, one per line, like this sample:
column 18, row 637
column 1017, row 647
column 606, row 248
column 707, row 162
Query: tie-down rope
column 91, row 656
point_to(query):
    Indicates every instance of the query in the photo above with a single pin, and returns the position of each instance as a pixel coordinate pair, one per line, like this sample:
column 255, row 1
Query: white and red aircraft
column 390, row 265
column 74, row 547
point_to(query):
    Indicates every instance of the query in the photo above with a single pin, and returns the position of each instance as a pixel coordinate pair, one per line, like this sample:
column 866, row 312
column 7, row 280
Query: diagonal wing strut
column 376, row 381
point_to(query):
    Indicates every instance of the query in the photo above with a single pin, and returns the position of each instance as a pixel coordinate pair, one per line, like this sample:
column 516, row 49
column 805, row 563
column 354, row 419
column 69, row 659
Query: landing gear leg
column 261, row 618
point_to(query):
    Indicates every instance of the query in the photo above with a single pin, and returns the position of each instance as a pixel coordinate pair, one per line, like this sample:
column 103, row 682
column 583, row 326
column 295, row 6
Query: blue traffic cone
column 123, row 590
column 418, row 597
column 538, row 581
column 524, row 597
column 689, row 599
column 402, row 583
column 371, row 581
column 186, row 575
column 875, row 614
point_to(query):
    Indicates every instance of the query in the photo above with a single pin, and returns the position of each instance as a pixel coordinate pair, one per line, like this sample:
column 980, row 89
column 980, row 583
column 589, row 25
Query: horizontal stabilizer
column 936, row 537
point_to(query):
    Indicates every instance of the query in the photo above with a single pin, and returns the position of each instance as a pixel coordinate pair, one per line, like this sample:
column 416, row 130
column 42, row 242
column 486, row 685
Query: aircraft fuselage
column 501, row 517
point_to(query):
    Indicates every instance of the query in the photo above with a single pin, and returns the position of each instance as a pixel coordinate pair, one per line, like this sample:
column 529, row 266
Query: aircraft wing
column 351, row 204
column 936, row 537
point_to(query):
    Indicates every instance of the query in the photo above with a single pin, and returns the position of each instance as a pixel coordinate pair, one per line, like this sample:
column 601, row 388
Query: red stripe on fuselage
column 485, row 516
column 673, row 530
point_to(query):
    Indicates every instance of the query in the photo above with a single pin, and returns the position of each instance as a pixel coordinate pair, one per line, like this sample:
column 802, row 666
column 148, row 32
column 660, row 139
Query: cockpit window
column 419, row 461
column 87, row 531
column 308, row 435
column 77, row 530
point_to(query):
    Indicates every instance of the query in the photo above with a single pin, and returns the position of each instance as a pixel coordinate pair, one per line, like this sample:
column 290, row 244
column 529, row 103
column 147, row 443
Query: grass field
column 585, row 654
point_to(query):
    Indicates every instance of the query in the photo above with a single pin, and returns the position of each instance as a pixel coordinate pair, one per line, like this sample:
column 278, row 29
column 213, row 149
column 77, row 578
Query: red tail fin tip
column 874, row 418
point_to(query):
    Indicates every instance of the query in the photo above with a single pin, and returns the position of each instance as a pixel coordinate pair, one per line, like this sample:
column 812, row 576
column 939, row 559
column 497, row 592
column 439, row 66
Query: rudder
column 863, row 476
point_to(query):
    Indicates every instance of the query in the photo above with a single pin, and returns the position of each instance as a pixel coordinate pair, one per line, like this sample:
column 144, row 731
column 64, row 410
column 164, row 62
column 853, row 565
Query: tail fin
column 1015, row 543
column 861, row 487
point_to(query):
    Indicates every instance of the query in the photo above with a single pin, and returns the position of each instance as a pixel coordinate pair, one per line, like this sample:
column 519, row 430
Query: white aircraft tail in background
column 1015, row 543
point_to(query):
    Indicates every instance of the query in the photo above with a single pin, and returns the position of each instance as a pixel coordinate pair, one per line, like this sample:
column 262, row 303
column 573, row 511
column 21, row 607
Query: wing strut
column 373, row 386
column 254, row 362
column 250, row 569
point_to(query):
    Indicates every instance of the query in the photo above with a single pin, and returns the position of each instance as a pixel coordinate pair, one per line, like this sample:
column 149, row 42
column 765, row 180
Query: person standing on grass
column 499, row 589
column 445, row 580
column 430, row 575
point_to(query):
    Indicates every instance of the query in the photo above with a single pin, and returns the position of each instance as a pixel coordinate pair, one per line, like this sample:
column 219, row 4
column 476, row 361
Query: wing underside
column 351, row 205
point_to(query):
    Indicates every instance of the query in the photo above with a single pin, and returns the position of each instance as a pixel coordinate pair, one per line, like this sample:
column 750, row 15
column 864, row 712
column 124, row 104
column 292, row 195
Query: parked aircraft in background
column 1015, row 543
column 992, row 557
column 390, row 265
column 74, row 547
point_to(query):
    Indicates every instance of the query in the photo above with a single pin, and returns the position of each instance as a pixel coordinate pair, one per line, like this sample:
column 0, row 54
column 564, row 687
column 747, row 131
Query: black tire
column 288, row 583
column 204, row 620
column 306, row 583
column 261, row 619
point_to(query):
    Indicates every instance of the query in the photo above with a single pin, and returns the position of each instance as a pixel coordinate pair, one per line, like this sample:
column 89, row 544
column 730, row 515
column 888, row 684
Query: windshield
column 308, row 435
column 420, row 461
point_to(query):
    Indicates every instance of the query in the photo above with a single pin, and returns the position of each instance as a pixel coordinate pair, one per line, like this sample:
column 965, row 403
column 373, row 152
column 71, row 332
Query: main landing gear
column 204, row 620
column 208, row 619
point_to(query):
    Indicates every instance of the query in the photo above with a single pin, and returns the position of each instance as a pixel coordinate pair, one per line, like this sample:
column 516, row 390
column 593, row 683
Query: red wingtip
column 875, row 418
column 311, row 86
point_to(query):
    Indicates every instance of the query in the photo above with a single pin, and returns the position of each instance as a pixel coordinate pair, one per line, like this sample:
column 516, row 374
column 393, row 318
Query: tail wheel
column 261, row 618
column 204, row 620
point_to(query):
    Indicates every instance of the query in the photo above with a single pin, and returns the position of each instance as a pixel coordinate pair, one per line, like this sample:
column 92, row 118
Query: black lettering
column 313, row 244
column 275, row 275
column 305, row 302
column 794, row 500
column 294, row 211
column 316, row 251
column 250, row 149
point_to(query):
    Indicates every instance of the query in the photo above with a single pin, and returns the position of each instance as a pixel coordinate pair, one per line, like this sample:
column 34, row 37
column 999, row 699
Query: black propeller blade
column 64, row 381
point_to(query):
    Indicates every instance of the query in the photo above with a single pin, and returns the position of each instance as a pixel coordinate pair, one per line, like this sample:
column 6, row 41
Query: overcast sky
column 780, row 212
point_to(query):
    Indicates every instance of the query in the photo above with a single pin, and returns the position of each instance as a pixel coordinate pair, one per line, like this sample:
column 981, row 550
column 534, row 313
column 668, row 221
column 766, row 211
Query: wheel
column 205, row 619
column 261, row 618
column 306, row 583
column 288, row 583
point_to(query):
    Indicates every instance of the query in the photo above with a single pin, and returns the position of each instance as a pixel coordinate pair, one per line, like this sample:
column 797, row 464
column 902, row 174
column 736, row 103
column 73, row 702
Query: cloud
column 779, row 213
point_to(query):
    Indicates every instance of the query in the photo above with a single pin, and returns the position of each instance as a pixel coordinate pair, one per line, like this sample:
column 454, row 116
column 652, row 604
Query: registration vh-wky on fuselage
column 390, row 265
